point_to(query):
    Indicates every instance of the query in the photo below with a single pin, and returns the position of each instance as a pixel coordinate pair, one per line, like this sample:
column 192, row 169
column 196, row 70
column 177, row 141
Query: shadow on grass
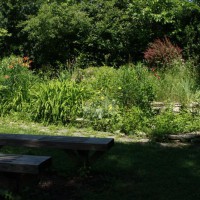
column 128, row 171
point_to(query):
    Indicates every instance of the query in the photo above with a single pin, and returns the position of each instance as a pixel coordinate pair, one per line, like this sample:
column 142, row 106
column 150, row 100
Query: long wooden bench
column 87, row 149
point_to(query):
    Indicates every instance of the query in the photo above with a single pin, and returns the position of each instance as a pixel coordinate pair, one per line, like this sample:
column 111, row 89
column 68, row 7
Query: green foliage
column 101, row 111
column 15, row 82
column 116, row 91
column 107, row 42
column 105, row 98
column 102, row 114
column 95, row 32
column 56, row 32
column 8, row 195
column 57, row 101
column 12, row 13
column 187, row 28
column 178, row 83
column 102, row 80
column 134, row 121
column 133, row 87
column 169, row 122
column 3, row 34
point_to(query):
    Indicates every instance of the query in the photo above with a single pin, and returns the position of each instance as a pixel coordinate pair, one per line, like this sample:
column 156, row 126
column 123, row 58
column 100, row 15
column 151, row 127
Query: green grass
column 130, row 170
column 147, row 171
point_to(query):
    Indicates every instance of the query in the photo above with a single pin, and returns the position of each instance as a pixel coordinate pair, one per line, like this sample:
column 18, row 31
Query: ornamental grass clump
column 177, row 83
column 57, row 101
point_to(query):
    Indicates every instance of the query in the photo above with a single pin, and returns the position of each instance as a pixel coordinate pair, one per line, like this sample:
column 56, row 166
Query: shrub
column 116, row 91
column 169, row 122
column 15, row 82
column 134, row 121
column 133, row 87
column 161, row 53
column 57, row 32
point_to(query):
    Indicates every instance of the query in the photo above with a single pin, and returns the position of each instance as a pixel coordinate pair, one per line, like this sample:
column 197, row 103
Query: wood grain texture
column 26, row 164
column 62, row 142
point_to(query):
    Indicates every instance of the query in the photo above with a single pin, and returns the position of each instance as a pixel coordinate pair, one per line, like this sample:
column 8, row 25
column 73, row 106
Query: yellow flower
column 110, row 107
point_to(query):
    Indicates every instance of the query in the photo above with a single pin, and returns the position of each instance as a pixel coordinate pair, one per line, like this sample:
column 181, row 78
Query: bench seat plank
column 27, row 164
column 62, row 142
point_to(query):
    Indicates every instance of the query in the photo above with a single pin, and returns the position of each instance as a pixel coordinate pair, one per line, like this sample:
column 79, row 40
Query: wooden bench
column 87, row 149
column 23, row 164
column 21, row 167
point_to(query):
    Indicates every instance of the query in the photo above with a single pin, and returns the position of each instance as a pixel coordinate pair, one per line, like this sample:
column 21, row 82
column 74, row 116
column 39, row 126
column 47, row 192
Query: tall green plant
column 57, row 101
column 15, row 81
column 134, row 87
column 178, row 83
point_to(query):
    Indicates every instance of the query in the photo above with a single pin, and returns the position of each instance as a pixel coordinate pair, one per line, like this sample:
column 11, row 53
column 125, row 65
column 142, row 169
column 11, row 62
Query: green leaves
column 15, row 83
column 59, row 27
column 95, row 32
column 57, row 101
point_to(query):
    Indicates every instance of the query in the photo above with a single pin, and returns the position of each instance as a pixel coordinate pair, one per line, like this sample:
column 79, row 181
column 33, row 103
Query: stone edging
column 176, row 107
column 193, row 137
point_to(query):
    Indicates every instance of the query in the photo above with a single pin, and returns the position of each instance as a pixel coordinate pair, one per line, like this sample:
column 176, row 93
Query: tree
column 56, row 32
column 12, row 13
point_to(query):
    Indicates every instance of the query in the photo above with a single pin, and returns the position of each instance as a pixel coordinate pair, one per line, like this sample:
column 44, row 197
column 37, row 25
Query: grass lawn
column 130, row 170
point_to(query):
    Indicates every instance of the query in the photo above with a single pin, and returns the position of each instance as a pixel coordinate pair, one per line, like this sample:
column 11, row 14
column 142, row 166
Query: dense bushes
column 95, row 32
column 105, row 98
column 57, row 32
column 161, row 53
column 15, row 82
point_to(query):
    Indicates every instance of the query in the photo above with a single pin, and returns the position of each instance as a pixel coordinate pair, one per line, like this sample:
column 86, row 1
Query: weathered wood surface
column 25, row 164
column 62, row 142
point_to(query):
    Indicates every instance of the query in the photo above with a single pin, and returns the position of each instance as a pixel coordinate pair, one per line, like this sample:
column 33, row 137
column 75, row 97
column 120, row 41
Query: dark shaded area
column 85, row 33
column 128, row 171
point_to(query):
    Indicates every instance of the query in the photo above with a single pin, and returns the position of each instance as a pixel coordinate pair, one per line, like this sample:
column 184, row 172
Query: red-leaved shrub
column 162, row 52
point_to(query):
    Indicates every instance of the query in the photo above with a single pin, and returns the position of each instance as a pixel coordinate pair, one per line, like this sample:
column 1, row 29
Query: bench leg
column 96, row 155
column 26, row 180
column 79, row 157
column 84, row 158
column 16, row 182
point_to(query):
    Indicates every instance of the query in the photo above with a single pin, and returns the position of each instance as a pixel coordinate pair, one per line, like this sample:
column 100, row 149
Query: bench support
column 84, row 158
column 23, row 169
